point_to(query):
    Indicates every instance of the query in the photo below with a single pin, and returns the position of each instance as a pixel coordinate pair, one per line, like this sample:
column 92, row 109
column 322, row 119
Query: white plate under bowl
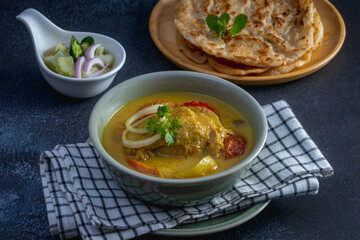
column 214, row 225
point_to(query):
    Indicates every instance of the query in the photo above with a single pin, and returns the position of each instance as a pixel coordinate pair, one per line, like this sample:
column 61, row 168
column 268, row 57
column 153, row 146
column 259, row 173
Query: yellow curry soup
column 213, row 136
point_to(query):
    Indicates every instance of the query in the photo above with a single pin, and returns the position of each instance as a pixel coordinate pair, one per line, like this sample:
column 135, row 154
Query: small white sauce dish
column 46, row 35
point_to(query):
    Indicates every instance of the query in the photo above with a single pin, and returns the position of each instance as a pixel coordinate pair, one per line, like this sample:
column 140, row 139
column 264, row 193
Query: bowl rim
column 120, row 53
column 118, row 166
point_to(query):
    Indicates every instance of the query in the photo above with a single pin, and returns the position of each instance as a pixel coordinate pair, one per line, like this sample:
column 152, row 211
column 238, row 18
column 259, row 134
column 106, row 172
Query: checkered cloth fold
column 82, row 198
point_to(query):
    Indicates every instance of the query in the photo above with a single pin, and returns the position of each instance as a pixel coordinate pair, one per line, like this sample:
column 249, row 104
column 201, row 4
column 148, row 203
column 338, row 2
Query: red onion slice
column 78, row 66
column 98, row 73
column 89, row 63
column 90, row 51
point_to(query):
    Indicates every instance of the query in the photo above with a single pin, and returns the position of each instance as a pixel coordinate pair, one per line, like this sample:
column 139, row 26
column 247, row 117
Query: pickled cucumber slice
column 51, row 61
column 66, row 66
column 107, row 58
column 60, row 47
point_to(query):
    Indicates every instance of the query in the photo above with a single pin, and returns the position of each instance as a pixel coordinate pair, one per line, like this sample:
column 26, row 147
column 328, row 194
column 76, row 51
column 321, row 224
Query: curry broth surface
column 112, row 143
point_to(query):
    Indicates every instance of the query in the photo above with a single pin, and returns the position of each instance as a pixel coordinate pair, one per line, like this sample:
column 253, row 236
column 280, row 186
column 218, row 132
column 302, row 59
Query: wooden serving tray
column 163, row 33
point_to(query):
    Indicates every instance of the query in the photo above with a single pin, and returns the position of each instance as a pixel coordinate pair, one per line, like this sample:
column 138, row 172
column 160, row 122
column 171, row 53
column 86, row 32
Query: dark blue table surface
column 34, row 118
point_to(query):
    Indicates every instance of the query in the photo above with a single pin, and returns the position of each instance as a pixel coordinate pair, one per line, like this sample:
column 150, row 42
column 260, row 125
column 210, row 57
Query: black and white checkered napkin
column 82, row 199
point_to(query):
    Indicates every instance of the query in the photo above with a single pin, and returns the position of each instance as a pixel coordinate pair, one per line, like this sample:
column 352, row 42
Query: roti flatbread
column 277, row 33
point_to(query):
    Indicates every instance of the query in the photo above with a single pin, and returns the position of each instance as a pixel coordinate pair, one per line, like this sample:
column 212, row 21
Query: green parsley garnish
column 219, row 24
column 167, row 128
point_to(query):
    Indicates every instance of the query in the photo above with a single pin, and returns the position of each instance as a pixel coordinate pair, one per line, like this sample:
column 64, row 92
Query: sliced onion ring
column 90, row 51
column 89, row 63
column 78, row 66
column 138, row 143
column 138, row 115
column 98, row 73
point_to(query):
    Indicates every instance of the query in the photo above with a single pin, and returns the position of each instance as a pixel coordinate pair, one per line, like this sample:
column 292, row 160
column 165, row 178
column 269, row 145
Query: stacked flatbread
column 279, row 36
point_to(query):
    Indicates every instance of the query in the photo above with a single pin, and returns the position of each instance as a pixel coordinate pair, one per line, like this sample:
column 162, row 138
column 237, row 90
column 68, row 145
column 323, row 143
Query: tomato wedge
column 143, row 168
column 234, row 146
column 200, row 104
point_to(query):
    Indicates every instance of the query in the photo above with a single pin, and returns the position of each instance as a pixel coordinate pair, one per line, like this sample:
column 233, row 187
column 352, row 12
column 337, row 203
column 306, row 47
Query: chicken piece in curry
column 178, row 135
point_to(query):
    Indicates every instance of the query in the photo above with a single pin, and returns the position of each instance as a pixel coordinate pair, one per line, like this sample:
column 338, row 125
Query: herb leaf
column 163, row 111
column 175, row 124
column 166, row 127
column 224, row 20
column 212, row 22
column 151, row 125
column 170, row 137
column 239, row 24
column 219, row 24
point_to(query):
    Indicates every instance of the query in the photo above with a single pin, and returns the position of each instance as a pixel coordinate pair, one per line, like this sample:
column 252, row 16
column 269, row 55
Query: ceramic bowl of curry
column 177, row 138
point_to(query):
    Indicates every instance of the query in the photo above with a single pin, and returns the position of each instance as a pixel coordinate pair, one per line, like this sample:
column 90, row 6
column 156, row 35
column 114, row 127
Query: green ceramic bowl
column 175, row 192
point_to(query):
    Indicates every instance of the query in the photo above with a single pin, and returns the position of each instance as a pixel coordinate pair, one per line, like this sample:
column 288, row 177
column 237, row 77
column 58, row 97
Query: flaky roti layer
column 234, row 69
